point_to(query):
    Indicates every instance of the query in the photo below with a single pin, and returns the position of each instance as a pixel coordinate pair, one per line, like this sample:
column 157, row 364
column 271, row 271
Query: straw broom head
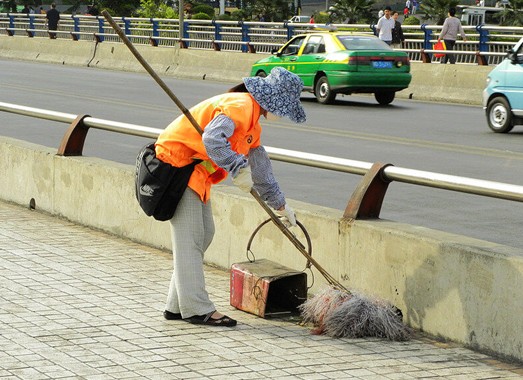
column 340, row 314
column 319, row 307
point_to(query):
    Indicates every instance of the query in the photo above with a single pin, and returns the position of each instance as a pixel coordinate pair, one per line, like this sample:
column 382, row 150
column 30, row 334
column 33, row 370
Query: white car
column 302, row 19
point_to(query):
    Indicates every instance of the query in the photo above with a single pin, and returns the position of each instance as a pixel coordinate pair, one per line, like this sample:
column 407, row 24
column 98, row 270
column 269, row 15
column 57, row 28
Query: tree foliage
column 437, row 10
column 155, row 9
column 119, row 8
column 201, row 16
column 204, row 8
column 411, row 20
column 512, row 15
column 272, row 10
column 353, row 11
column 75, row 5
column 321, row 18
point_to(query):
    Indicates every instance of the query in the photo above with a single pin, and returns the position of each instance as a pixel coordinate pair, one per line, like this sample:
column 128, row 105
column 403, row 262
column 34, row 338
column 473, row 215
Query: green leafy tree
column 353, row 11
column 273, row 10
column 321, row 18
column 437, row 10
column 11, row 6
column 119, row 8
column 411, row 20
column 240, row 14
column 155, row 9
column 201, row 16
column 513, row 14
column 204, row 8
column 225, row 17
column 76, row 5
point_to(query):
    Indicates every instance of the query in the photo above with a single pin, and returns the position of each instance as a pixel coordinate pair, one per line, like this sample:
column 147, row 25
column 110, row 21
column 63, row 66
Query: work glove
column 287, row 216
column 244, row 179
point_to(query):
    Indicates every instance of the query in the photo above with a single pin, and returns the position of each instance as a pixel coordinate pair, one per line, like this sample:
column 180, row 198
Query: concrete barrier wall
column 450, row 286
column 432, row 82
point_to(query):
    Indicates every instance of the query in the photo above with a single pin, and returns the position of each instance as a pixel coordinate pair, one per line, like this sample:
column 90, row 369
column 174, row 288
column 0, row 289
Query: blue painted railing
column 245, row 35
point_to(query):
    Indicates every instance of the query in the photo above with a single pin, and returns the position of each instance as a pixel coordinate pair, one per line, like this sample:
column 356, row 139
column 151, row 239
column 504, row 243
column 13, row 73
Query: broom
column 336, row 311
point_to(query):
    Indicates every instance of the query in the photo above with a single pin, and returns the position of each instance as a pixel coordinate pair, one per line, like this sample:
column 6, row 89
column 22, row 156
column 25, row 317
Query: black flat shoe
column 208, row 321
column 171, row 316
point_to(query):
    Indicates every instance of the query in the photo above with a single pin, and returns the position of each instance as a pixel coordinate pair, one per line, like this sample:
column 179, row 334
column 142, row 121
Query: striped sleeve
column 215, row 139
column 263, row 178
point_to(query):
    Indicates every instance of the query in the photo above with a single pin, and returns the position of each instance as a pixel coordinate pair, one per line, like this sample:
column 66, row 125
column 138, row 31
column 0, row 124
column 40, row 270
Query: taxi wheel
column 261, row 74
column 499, row 115
column 323, row 91
column 385, row 97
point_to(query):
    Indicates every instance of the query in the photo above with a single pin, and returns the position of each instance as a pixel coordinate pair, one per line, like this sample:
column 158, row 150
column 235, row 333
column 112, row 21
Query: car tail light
column 359, row 60
column 402, row 61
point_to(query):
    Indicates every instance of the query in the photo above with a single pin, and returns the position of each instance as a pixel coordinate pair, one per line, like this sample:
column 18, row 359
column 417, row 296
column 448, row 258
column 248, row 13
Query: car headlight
column 488, row 80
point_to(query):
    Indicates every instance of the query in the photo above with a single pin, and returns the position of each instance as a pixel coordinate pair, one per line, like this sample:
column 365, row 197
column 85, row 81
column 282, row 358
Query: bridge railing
column 489, row 41
column 366, row 200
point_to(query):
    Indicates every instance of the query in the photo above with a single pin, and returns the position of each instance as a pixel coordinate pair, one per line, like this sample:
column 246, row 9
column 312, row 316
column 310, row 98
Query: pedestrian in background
column 230, row 145
column 53, row 17
column 385, row 26
column 397, row 32
column 449, row 34
column 93, row 10
column 415, row 5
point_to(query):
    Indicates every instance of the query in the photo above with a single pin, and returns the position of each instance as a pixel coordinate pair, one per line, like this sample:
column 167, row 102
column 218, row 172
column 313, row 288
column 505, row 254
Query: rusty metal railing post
column 367, row 198
column 425, row 57
column 73, row 141
column 481, row 60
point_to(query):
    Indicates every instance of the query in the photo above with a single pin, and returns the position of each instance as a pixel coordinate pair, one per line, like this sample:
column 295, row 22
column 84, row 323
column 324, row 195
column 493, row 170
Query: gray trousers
column 192, row 230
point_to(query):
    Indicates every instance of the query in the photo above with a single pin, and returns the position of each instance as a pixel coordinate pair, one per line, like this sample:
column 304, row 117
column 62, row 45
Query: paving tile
column 78, row 303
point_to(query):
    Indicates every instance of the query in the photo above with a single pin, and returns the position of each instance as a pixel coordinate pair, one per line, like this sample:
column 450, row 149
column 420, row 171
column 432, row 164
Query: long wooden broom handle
column 150, row 70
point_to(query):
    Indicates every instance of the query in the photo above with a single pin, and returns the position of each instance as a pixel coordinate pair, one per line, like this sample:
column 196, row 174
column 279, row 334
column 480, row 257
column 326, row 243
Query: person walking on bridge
column 385, row 26
column 449, row 34
column 52, row 17
column 230, row 145
column 397, row 32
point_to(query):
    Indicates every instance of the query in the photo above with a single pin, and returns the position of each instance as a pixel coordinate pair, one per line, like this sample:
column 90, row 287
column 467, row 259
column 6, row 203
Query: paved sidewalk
column 79, row 303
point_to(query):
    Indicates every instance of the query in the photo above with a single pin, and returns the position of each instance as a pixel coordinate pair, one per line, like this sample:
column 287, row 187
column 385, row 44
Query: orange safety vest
column 180, row 143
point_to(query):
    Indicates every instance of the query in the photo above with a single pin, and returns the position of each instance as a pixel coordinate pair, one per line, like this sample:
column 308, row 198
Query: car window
column 315, row 45
column 293, row 47
column 363, row 43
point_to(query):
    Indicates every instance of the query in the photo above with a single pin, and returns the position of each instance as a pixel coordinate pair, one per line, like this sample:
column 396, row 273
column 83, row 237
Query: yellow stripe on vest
column 208, row 166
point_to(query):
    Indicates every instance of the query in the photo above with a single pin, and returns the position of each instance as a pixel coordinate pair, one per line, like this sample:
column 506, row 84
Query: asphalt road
column 443, row 138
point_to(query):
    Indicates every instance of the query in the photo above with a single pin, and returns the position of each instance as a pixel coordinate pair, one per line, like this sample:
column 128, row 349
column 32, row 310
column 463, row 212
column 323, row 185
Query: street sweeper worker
column 230, row 145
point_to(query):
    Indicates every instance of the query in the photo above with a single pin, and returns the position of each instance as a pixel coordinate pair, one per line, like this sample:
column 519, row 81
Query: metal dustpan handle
column 279, row 223
column 255, row 232
column 331, row 280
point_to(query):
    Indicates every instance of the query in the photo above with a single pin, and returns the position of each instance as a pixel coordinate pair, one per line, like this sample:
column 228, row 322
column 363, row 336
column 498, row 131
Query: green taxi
column 331, row 63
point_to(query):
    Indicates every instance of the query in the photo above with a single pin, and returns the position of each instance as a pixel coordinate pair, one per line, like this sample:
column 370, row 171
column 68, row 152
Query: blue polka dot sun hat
column 279, row 93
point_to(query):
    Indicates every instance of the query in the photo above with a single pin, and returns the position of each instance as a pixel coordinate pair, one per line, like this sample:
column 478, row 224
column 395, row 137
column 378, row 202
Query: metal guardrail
column 484, row 45
column 365, row 202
